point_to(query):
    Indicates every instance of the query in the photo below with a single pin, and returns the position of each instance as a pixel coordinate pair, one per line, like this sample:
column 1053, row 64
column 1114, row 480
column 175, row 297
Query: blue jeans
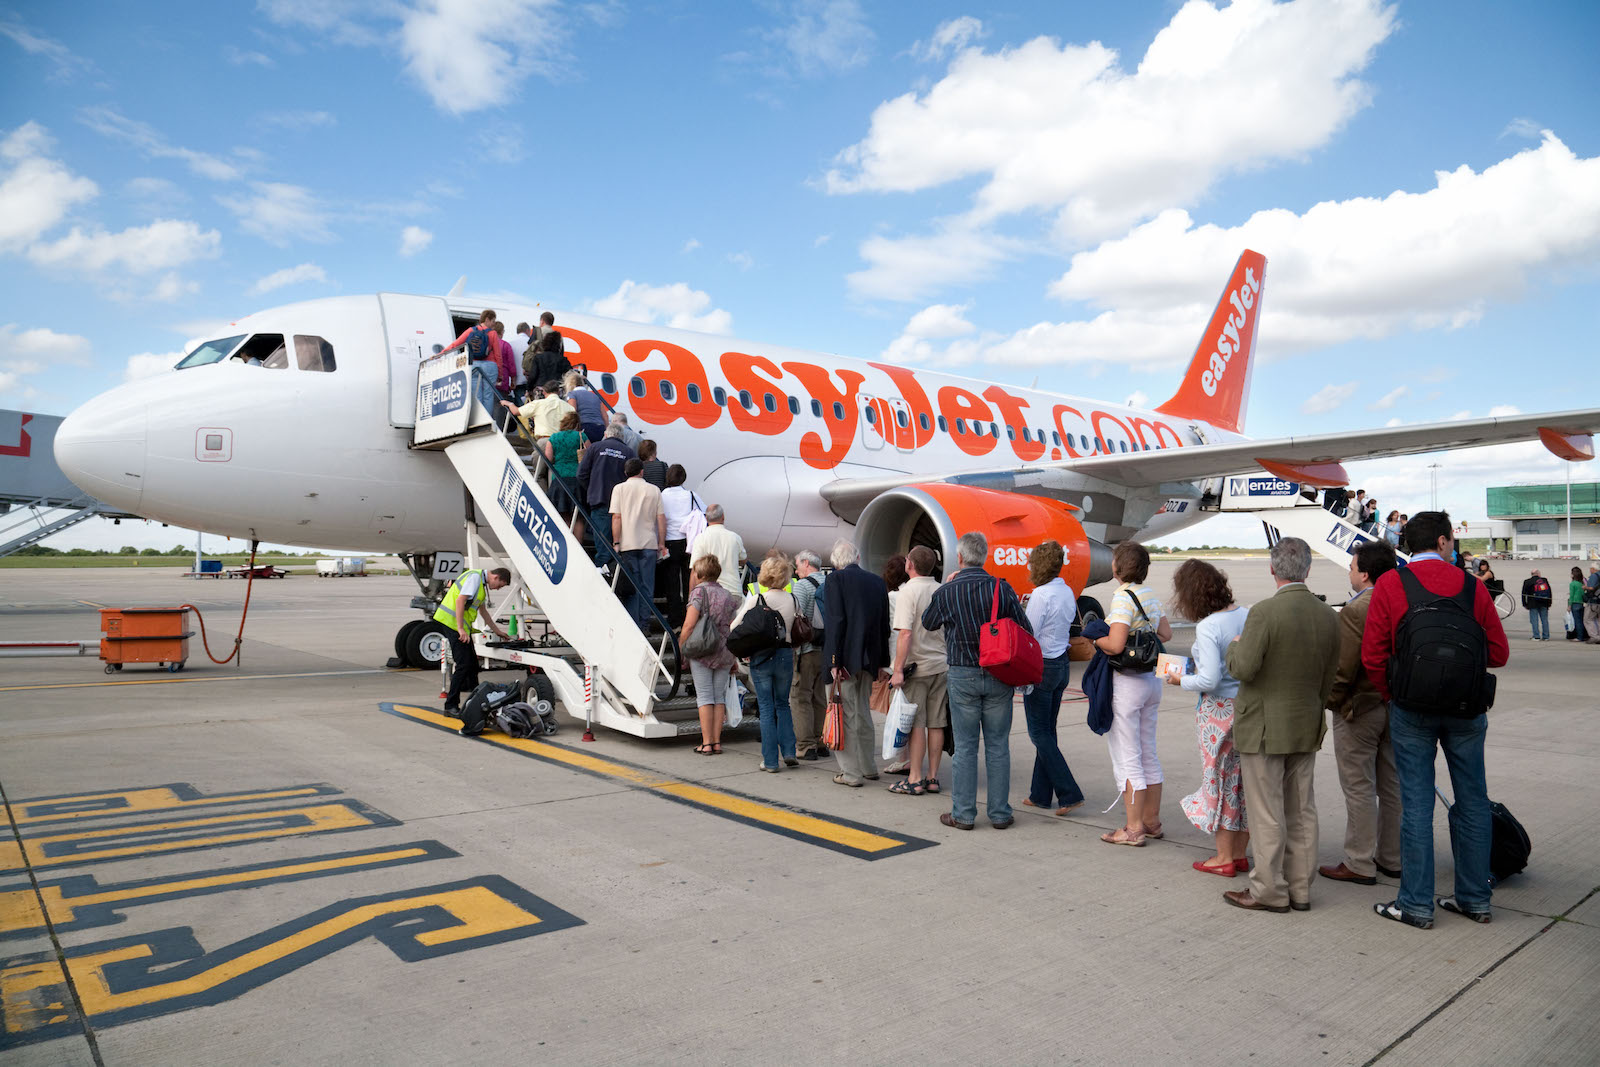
column 1042, row 707
column 484, row 376
column 771, row 674
column 1540, row 617
column 980, row 702
column 640, row 567
column 600, row 523
column 1415, row 739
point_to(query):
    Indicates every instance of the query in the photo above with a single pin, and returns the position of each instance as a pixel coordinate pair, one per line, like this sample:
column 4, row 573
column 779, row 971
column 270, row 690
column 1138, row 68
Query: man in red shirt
column 483, row 349
column 1417, row 736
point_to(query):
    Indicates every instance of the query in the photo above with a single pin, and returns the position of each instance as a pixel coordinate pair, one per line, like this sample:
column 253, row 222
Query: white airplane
column 296, row 425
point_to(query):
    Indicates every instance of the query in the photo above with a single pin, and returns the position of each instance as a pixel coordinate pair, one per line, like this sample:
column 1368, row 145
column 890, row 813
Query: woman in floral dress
column 1217, row 807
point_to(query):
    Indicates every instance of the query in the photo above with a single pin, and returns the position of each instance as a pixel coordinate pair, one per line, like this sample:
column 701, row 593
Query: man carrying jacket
column 1536, row 598
column 1417, row 736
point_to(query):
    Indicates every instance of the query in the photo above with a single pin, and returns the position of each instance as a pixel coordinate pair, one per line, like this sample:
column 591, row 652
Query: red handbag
column 1007, row 651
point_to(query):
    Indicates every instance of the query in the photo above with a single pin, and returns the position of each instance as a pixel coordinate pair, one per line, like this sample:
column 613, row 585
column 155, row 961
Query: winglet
column 1217, row 386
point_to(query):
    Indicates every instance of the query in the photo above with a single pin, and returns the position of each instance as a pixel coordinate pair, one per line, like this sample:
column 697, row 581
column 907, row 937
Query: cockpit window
column 313, row 353
column 210, row 352
column 263, row 350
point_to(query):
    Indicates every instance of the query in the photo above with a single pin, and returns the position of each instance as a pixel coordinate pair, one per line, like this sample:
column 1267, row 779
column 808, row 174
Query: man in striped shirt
column 979, row 702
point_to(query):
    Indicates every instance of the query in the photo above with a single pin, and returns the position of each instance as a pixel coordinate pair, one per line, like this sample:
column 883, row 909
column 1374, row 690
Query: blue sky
column 1051, row 190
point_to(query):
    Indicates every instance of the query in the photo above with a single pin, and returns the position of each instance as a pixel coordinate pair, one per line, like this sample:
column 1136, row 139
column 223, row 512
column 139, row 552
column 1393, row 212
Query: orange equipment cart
column 145, row 635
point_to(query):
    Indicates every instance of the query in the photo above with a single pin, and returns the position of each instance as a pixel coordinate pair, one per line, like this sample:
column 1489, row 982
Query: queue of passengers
column 1267, row 681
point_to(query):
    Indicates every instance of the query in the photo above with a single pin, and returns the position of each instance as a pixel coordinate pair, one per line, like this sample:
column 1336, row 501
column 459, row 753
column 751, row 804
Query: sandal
column 716, row 748
column 1450, row 904
column 930, row 785
column 703, row 750
column 1392, row 910
column 1155, row 835
column 1125, row 836
column 907, row 789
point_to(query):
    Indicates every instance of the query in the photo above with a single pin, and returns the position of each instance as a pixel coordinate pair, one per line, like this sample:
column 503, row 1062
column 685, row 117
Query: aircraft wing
column 1197, row 462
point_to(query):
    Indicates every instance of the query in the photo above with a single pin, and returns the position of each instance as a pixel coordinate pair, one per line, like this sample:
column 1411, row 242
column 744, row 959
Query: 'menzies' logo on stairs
column 539, row 530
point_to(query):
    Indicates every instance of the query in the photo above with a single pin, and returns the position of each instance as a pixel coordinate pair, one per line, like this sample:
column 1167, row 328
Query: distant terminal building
column 1538, row 514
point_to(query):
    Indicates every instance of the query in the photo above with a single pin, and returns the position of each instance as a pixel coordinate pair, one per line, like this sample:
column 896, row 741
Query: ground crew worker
column 458, row 610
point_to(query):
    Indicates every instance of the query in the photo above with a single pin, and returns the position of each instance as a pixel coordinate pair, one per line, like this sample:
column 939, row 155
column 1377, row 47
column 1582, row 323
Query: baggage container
column 145, row 635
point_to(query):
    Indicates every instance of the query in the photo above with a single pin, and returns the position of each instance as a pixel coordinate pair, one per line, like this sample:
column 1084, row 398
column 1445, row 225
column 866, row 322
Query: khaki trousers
column 858, row 758
column 1282, row 808
column 1371, row 790
column 808, row 701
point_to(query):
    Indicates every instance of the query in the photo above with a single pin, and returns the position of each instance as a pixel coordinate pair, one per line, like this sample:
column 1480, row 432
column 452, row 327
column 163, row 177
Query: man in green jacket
column 1285, row 661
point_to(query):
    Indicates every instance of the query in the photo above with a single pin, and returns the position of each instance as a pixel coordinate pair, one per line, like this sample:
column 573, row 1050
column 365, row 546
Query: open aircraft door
column 412, row 325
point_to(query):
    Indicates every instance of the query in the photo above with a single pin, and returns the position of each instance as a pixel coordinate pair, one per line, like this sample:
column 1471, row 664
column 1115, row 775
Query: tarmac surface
column 294, row 862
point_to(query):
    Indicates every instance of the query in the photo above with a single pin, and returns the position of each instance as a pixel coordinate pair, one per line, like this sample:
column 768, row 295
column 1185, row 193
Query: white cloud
column 1066, row 131
column 414, row 239
column 1138, row 399
column 160, row 246
column 1389, row 399
column 173, row 286
column 299, row 120
column 742, row 260
column 1504, row 411
column 825, row 36
column 1359, row 269
column 911, row 268
column 240, row 57
column 27, row 352
column 466, row 55
column 937, row 322
column 36, row 191
column 1328, row 398
column 690, row 245
column 305, row 272
column 1525, row 128
column 280, row 213
column 951, row 35
column 152, row 145
column 821, row 239
column 676, row 305
column 65, row 61
column 146, row 364
column 156, row 195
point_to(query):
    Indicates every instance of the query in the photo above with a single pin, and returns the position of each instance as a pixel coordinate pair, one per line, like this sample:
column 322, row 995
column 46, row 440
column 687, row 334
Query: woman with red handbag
column 1138, row 627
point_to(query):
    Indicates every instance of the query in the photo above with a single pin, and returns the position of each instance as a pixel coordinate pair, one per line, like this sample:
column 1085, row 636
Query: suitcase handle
column 1443, row 798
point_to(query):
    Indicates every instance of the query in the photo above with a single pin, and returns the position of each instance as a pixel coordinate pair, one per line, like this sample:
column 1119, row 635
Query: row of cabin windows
column 266, row 350
column 719, row 396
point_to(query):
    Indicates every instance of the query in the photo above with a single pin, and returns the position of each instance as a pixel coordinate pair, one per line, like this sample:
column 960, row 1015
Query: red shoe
column 1226, row 870
column 1242, row 865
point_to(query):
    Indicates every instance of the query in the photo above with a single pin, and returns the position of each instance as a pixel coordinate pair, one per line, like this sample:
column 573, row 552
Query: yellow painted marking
column 320, row 818
column 479, row 909
column 23, row 914
column 795, row 822
column 159, row 798
column 22, row 993
column 91, row 604
column 193, row 680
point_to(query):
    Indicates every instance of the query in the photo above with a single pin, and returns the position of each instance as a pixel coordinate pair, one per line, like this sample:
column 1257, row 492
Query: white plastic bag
column 733, row 701
column 897, row 727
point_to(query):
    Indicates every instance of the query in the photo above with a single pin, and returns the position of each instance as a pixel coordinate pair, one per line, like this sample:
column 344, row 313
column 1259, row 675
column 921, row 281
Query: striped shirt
column 963, row 604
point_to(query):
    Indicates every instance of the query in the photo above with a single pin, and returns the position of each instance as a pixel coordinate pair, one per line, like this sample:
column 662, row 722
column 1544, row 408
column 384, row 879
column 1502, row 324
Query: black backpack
column 1440, row 663
column 760, row 630
column 478, row 710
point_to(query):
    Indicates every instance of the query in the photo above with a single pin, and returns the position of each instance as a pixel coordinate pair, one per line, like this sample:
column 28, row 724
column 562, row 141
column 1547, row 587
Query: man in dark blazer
column 855, row 652
column 1285, row 661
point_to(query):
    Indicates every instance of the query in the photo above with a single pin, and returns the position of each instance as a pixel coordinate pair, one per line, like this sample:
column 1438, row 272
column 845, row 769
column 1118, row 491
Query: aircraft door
column 412, row 325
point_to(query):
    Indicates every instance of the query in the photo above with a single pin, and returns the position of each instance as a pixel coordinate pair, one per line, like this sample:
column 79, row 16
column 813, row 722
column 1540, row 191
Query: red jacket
column 1389, row 605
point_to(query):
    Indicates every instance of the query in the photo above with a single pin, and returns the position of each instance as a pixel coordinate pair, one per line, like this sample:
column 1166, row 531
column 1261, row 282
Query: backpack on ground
column 478, row 710
column 1509, row 845
column 761, row 630
column 1440, row 663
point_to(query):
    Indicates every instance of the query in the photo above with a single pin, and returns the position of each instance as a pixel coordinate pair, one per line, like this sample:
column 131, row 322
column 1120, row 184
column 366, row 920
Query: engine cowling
column 937, row 513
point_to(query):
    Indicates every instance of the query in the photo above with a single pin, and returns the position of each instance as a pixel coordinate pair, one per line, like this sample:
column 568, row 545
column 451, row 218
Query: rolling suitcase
column 1509, row 846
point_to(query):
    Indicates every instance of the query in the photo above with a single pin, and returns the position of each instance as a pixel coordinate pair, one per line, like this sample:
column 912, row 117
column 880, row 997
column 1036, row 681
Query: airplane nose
column 101, row 447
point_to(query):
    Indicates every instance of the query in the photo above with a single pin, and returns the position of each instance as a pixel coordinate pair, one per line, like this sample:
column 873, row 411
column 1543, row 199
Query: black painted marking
column 106, row 803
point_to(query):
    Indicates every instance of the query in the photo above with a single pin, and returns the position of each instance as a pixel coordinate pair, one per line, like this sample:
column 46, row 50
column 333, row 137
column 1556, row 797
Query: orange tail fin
column 1217, row 386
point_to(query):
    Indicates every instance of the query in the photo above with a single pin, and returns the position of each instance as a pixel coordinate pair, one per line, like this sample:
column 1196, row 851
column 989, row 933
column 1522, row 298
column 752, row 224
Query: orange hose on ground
column 238, row 638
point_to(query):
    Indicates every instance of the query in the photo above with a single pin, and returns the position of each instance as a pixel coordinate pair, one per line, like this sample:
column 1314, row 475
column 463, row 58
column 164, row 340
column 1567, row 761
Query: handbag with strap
column 833, row 723
column 1143, row 648
column 704, row 640
column 1007, row 651
column 761, row 629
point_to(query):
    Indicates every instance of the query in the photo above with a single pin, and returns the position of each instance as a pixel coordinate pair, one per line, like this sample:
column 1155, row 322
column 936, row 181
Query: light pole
column 1433, row 474
column 1568, row 465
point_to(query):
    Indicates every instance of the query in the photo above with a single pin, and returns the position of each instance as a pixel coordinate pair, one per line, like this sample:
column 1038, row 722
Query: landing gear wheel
column 401, row 639
column 425, row 645
column 1088, row 608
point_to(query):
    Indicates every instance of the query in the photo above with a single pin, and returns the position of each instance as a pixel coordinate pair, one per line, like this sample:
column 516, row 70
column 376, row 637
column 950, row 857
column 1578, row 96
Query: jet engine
column 936, row 513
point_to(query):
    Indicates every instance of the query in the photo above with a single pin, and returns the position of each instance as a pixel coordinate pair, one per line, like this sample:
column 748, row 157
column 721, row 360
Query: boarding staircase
column 35, row 528
column 1286, row 511
column 605, row 670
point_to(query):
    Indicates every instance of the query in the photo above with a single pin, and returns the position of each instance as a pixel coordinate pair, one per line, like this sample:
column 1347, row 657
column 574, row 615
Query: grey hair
column 614, row 429
column 844, row 552
column 972, row 549
column 809, row 558
column 1291, row 559
column 714, row 513
column 617, row 416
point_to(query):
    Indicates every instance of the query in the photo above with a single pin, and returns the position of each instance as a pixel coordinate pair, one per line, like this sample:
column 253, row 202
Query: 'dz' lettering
column 1229, row 344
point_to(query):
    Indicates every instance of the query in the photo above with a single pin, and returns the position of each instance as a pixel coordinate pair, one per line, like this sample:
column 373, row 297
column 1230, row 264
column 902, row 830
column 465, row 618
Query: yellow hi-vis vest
column 447, row 607
column 757, row 588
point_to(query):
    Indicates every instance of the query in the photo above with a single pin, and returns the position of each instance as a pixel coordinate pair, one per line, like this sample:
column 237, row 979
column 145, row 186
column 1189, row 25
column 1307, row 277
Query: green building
column 1538, row 514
